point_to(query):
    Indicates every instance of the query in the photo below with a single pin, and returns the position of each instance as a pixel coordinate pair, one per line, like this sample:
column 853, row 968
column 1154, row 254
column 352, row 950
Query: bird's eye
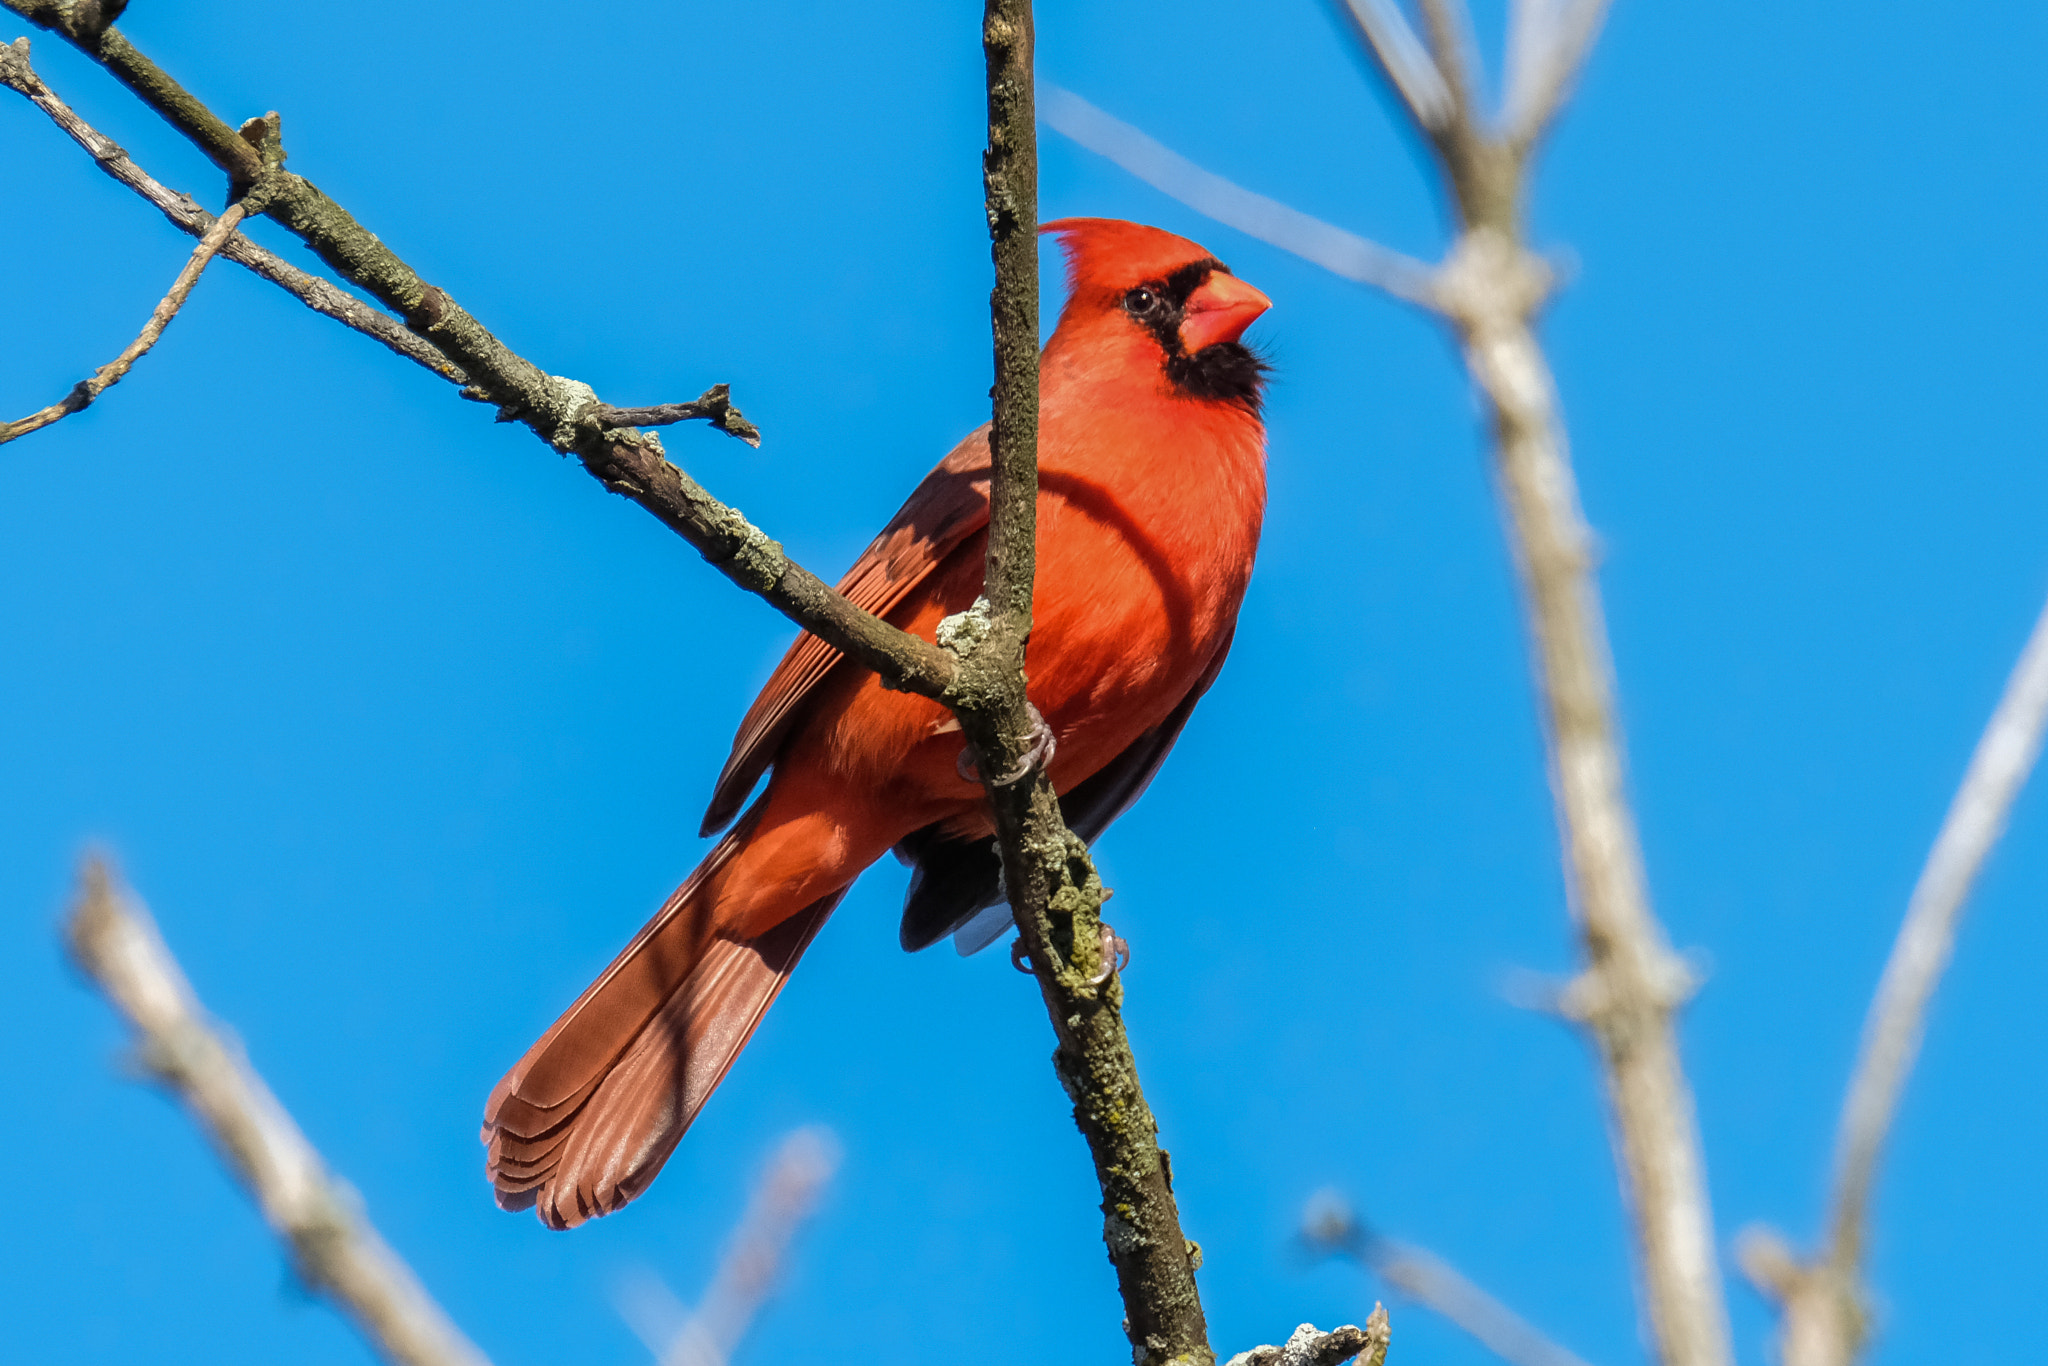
column 1141, row 301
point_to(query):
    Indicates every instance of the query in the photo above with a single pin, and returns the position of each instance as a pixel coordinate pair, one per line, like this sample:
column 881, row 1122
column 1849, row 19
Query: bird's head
column 1138, row 293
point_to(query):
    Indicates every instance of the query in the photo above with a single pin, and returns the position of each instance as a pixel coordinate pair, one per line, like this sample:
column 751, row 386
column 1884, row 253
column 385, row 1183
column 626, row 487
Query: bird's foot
column 1116, row 956
column 1038, row 753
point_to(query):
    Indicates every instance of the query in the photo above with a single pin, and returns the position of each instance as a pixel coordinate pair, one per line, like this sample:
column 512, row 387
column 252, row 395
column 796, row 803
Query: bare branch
column 185, row 214
column 1549, row 40
column 2004, row 757
column 783, row 1199
column 1633, row 981
column 333, row 1246
column 1491, row 290
column 1824, row 1321
column 1053, row 889
column 561, row 411
column 1437, row 1285
column 1447, row 25
column 1332, row 248
column 714, row 405
column 1821, row 1316
column 107, row 376
column 1383, row 31
column 1330, row 1226
column 1310, row 1347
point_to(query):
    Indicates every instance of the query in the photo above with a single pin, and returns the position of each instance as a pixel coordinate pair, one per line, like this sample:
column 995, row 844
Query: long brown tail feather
column 585, row 1120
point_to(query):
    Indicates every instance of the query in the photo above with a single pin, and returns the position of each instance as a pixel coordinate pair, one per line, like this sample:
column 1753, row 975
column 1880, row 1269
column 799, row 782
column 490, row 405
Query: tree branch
column 186, row 215
column 783, row 1198
column 1330, row 1226
column 1547, row 50
column 333, row 1247
column 1332, row 248
column 1633, row 982
column 107, row 376
column 976, row 672
column 1824, row 1322
column 1490, row 290
column 1308, row 1347
column 1447, row 27
column 561, row 411
column 1053, row 889
column 714, row 405
column 1386, row 36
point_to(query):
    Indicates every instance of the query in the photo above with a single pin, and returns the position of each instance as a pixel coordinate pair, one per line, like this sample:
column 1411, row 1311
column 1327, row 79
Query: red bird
column 1151, row 493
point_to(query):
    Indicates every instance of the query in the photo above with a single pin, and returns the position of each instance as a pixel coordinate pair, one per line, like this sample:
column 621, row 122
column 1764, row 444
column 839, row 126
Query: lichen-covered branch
column 333, row 1247
column 1053, row 890
column 107, row 376
column 714, row 405
column 1824, row 1322
column 1310, row 1347
column 978, row 674
column 561, row 411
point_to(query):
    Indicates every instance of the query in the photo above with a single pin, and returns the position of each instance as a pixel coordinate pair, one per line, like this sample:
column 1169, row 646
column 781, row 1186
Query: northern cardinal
column 1151, row 493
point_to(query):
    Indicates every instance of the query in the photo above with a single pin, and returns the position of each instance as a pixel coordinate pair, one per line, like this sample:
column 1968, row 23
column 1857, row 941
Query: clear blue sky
column 402, row 725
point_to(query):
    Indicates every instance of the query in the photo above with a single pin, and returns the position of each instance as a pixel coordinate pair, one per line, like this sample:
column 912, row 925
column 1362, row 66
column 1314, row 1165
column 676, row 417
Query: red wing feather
column 947, row 508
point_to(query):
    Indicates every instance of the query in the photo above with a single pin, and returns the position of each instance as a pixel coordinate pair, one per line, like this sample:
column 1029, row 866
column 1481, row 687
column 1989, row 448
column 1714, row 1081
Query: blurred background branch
column 334, row 1248
column 783, row 1200
column 1334, row 249
column 1330, row 1227
column 1824, row 1319
column 1490, row 290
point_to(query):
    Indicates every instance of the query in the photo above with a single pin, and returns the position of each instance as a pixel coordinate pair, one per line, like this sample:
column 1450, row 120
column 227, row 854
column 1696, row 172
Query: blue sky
column 402, row 725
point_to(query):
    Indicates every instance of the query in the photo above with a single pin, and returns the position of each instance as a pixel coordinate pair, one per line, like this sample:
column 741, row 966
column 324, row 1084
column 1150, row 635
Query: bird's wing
column 953, row 882
column 947, row 508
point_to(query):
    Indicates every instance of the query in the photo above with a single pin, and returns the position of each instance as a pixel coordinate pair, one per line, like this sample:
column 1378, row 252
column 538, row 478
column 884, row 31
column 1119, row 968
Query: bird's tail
column 585, row 1121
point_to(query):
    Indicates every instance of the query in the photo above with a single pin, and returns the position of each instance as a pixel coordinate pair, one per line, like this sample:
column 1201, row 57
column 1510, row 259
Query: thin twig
column 1335, row 250
column 1329, row 1226
column 561, row 411
column 1891, row 1037
column 1386, row 36
column 186, row 215
column 1824, row 1322
column 1547, row 52
column 714, row 405
column 784, row 1198
column 1311, row 1347
column 107, row 376
column 332, row 1244
column 1447, row 27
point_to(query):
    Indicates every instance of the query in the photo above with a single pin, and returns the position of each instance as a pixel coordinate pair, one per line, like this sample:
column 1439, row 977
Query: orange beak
column 1219, row 311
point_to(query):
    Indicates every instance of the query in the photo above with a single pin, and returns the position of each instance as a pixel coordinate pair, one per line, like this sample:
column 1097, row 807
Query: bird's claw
column 1116, row 956
column 1038, row 753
